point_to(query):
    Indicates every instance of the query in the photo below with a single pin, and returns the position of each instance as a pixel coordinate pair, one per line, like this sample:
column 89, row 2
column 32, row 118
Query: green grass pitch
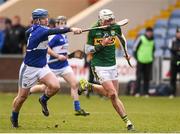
column 154, row 114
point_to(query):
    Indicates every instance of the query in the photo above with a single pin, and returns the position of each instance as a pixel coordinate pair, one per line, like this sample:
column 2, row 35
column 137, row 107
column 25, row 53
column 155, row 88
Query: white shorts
column 62, row 71
column 28, row 76
column 103, row 74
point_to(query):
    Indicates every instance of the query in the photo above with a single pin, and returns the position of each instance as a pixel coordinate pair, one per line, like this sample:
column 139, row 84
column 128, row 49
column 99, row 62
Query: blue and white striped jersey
column 59, row 44
column 37, row 44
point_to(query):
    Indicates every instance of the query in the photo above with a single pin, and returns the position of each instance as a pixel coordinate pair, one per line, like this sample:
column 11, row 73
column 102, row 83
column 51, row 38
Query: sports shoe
column 81, row 112
column 146, row 96
column 137, row 95
column 14, row 123
column 171, row 96
column 45, row 110
column 130, row 126
column 84, row 85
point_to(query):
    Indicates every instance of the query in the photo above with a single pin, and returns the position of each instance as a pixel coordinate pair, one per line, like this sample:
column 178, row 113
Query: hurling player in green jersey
column 101, row 44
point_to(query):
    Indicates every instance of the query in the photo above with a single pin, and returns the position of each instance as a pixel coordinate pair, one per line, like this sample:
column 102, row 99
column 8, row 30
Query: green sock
column 125, row 118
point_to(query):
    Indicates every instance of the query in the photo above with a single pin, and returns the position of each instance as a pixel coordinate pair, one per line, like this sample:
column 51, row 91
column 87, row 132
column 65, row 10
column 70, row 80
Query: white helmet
column 106, row 14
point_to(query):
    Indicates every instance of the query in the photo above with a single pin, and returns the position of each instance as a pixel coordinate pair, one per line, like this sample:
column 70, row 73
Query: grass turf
column 154, row 114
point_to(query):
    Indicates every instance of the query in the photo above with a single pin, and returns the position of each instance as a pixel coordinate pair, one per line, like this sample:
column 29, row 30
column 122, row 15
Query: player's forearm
column 52, row 53
column 57, row 31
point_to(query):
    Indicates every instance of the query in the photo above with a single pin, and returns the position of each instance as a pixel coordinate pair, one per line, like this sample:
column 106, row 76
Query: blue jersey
column 37, row 44
column 59, row 44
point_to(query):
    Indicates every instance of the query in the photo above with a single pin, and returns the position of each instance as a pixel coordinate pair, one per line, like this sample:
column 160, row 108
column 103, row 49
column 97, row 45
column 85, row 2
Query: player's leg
column 108, row 89
column 147, row 76
column 138, row 79
column 17, row 104
column 116, row 85
column 112, row 94
column 26, row 79
column 51, row 81
column 70, row 78
column 116, row 102
column 39, row 88
column 173, row 79
column 105, row 89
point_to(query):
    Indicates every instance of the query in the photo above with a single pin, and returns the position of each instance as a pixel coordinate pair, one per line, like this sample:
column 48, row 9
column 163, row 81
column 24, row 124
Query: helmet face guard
column 39, row 14
column 109, row 21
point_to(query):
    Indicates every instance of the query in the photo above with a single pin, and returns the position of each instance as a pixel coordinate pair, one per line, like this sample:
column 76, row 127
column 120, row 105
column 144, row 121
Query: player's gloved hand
column 61, row 57
column 76, row 30
column 106, row 41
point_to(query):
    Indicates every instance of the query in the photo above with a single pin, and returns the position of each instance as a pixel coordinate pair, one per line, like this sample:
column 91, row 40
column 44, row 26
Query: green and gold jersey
column 106, row 56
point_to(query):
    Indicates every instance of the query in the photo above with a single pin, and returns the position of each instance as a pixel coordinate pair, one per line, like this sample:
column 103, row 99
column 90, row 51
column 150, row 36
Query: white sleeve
column 89, row 49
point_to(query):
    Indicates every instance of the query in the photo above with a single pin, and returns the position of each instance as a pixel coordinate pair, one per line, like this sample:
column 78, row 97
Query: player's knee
column 54, row 86
column 112, row 94
column 22, row 98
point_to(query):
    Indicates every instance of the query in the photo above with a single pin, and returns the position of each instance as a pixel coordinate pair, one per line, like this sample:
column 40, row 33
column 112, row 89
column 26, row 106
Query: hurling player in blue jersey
column 59, row 44
column 34, row 67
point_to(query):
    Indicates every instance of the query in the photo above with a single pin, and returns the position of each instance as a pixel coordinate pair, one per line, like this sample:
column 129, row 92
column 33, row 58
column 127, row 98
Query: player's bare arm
column 57, row 56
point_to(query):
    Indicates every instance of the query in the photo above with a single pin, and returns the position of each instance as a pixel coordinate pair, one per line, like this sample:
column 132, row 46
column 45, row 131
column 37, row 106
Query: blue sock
column 15, row 116
column 77, row 105
column 44, row 98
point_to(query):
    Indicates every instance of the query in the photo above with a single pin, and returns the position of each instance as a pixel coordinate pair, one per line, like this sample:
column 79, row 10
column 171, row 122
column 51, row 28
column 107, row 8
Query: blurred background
column 162, row 15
